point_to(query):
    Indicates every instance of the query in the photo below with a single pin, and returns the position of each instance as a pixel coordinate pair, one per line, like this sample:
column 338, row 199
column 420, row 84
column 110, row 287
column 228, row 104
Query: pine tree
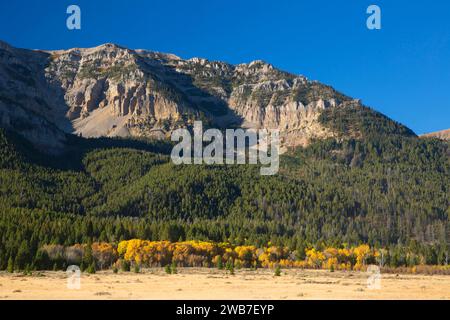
column 88, row 258
column 42, row 261
column 10, row 265
column 23, row 256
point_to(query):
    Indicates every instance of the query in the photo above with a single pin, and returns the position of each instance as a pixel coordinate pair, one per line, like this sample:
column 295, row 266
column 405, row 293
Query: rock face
column 28, row 104
column 443, row 134
column 113, row 91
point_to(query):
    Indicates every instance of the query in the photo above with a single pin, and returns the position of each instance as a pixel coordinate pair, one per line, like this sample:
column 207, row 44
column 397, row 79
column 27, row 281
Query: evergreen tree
column 10, row 265
column 88, row 258
column 219, row 263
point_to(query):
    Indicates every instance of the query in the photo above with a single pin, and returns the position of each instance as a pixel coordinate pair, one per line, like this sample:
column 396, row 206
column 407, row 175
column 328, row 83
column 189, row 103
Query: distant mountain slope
column 114, row 91
column 443, row 134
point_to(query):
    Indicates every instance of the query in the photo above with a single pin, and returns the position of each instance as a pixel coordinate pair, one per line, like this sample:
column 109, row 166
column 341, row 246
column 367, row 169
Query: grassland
column 203, row 283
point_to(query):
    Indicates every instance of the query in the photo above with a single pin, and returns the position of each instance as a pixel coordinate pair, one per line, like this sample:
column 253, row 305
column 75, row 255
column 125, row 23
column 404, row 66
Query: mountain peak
column 259, row 64
column 110, row 45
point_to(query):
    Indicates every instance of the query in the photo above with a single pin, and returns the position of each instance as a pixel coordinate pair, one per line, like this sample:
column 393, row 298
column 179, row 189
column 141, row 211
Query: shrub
column 174, row 268
column 125, row 265
column 230, row 266
column 219, row 263
column 277, row 271
column 91, row 268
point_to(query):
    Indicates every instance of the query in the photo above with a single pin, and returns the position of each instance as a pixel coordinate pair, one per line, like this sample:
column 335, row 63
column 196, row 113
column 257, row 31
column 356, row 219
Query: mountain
column 443, row 134
column 114, row 91
column 359, row 176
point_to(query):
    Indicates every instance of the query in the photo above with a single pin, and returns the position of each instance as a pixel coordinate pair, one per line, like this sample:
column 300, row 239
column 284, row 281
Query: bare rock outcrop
column 114, row 91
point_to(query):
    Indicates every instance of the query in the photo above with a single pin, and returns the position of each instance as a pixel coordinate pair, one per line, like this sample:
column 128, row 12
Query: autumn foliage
column 144, row 253
column 208, row 254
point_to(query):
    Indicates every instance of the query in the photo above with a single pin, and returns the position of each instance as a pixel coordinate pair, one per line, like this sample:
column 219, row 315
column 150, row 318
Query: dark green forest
column 384, row 186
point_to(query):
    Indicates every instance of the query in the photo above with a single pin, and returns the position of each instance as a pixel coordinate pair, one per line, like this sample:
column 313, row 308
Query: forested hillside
column 383, row 187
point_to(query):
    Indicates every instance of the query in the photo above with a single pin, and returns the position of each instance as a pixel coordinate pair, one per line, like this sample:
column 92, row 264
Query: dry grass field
column 201, row 283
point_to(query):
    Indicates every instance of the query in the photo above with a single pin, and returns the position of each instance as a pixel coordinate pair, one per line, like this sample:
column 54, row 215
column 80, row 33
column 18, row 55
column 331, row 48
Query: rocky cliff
column 114, row 91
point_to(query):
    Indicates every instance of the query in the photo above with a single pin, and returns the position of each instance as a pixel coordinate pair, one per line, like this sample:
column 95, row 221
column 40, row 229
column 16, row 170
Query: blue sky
column 402, row 70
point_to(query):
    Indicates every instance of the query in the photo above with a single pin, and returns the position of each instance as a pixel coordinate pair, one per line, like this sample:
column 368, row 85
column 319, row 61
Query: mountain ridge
column 110, row 90
column 441, row 134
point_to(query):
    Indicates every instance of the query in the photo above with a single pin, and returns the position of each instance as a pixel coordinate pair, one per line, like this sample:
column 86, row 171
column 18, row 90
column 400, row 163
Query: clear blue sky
column 403, row 70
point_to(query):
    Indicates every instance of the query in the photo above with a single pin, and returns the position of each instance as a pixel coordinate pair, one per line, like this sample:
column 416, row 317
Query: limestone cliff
column 114, row 91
